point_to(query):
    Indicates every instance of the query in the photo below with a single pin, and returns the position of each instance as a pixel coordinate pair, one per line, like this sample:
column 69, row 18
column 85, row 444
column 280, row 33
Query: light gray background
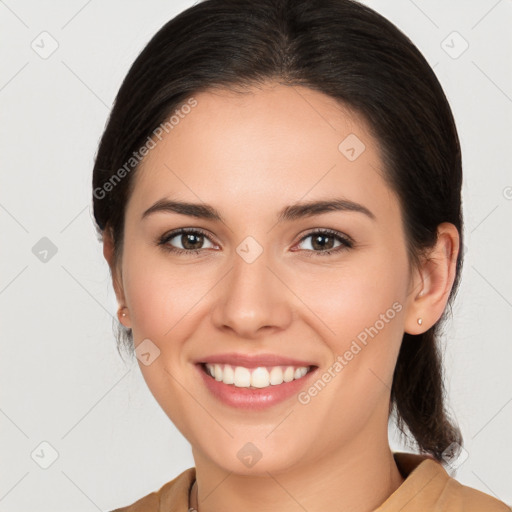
column 62, row 380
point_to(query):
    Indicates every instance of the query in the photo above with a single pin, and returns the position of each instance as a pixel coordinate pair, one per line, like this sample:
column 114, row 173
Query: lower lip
column 254, row 398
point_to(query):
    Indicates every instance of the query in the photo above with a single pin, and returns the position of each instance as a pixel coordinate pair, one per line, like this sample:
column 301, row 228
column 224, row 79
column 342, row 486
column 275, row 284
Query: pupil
column 188, row 240
column 317, row 244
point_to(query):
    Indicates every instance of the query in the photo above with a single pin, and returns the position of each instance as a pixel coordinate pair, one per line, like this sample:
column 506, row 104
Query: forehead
column 271, row 145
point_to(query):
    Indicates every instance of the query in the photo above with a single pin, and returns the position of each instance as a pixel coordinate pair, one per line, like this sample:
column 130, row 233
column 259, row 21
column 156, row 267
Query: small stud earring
column 123, row 314
column 420, row 321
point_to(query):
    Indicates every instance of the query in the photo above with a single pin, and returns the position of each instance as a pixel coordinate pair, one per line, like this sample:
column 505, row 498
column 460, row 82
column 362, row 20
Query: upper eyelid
column 179, row 231
column 328, row 231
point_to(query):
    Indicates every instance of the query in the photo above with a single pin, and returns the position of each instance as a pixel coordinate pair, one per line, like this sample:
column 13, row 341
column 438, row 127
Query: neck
column 358, row 478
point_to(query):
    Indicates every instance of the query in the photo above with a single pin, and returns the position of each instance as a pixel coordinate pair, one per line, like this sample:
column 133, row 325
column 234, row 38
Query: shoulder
column 467, row 499
column 145, row 504
column 428, row 486
column 171, row 497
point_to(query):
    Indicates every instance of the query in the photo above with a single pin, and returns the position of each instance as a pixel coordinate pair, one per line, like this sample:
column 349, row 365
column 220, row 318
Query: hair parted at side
column 350, row 53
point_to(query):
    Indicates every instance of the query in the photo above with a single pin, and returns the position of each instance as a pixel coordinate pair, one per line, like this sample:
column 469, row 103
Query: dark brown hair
column 350, row 53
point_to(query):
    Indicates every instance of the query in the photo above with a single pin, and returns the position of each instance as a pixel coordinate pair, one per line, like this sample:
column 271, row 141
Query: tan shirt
column 427, row 487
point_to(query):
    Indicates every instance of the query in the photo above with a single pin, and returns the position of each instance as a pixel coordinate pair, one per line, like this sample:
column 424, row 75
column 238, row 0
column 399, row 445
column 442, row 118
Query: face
column 324, row 287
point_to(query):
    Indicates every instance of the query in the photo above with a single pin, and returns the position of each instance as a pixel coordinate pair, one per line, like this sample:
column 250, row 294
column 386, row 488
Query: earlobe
column 122, row 316
column 434, row 279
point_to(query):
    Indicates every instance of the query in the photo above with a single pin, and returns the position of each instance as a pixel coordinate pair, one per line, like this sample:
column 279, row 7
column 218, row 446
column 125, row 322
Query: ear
column 115, row 273
column 433, row 282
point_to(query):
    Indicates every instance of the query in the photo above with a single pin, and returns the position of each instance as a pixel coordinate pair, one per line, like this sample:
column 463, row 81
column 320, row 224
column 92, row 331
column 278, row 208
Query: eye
column 323, row 242
column 189, row 241
column 192, row 240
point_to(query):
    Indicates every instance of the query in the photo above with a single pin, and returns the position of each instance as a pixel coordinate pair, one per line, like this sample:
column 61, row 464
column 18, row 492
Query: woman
column 278, row 191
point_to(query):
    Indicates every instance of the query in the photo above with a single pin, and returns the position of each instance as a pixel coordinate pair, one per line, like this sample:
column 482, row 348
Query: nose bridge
column 251, row 296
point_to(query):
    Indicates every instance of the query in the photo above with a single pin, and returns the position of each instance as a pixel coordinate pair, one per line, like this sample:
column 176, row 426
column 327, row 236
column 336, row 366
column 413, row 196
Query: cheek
column 161, row 294
column 360, row 308
column 350, row 298
column 162, row 299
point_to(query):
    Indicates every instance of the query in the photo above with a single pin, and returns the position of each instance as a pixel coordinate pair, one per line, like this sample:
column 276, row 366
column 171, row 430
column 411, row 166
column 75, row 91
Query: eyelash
column 346, row 242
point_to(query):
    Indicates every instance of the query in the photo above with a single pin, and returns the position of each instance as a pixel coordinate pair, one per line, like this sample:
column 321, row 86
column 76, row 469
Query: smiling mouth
column 255, row 378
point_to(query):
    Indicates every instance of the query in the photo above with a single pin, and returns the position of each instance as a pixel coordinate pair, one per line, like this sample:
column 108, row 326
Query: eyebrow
column 289, row 213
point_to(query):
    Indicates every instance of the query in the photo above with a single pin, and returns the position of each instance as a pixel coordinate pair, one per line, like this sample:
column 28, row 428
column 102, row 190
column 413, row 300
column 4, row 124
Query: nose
column 252, row 300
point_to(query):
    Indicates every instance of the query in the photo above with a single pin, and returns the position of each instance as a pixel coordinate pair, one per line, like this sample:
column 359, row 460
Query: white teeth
column 288, row 374
column 276, row 376
column 228, row 376
column 242, row 377
column 260, row 377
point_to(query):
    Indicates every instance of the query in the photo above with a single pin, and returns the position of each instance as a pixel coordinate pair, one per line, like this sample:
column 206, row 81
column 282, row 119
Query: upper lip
column 253, row 361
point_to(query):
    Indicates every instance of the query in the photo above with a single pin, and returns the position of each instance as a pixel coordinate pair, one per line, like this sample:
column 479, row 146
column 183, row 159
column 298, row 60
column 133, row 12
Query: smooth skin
column 249, row 156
